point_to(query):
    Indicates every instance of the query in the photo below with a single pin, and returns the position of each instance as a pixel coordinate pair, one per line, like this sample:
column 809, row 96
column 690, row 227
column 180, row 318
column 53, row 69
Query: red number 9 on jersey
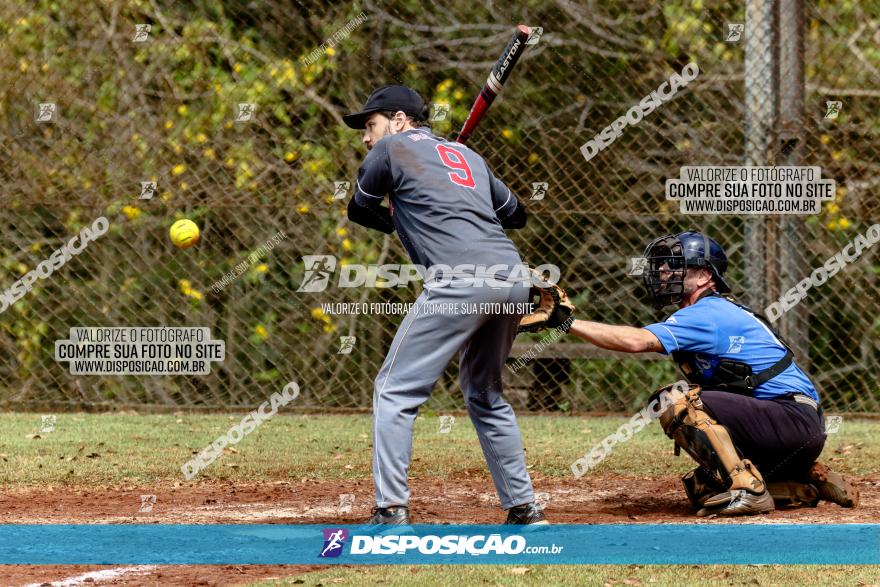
column 453, row 159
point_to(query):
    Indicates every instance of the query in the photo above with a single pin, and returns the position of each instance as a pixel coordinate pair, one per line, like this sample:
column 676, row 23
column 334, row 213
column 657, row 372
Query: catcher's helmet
column 677, row 253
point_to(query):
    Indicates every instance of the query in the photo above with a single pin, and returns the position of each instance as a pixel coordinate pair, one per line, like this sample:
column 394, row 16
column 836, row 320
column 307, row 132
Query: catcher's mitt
column 553, row 309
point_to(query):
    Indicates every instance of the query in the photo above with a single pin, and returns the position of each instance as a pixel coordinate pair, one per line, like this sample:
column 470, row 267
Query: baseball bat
column 495, row 82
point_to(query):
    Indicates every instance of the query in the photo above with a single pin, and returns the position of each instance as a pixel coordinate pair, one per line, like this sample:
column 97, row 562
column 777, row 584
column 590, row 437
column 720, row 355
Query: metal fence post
column 791, row 242
column 760, row 110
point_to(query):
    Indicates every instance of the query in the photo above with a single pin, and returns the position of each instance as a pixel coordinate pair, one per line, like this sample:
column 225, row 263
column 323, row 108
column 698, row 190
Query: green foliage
column 165, row 111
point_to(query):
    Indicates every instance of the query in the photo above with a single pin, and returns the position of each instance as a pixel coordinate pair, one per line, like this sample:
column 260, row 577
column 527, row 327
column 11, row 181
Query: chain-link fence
column 147, row 126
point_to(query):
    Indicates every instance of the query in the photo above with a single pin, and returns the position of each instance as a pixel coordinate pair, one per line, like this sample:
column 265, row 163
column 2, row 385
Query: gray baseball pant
column 423, row 346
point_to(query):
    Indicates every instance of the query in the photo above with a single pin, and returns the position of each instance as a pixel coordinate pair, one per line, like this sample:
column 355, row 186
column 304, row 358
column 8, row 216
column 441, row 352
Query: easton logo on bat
column 510, row 56
column 500, row 71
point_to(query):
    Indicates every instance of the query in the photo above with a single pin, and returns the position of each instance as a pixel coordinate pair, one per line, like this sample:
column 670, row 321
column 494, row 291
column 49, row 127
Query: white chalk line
column 93, row 577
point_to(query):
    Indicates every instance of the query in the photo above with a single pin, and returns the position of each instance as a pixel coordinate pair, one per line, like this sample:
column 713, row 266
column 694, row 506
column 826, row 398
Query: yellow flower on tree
column 346, row 244
column 178, row 169
column 507, row 133
column 291, row 156
column 131, row 212
column 261, row 331
column 262, row 268
column 342, row 231
column 843, row 223
column 201, row 137
column 182, row 109
column 303, row 209
column 317, row 312
column 187, row 290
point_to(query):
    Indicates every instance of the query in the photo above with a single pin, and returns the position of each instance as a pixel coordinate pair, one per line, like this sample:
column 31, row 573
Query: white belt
column 802, row 399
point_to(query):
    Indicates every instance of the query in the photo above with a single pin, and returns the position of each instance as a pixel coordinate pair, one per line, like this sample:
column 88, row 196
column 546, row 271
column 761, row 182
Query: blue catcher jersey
column 715, row 329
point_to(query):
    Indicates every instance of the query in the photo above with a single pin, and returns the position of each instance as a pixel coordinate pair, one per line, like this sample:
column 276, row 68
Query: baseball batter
column 448, row 209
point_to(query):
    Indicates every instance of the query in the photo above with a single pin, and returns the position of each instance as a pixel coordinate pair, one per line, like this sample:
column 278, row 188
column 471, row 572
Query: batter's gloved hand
column 553, row 310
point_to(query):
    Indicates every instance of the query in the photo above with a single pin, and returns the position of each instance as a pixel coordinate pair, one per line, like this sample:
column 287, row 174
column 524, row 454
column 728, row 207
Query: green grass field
column 604, row 575
column 102, row 449
column 97, row 450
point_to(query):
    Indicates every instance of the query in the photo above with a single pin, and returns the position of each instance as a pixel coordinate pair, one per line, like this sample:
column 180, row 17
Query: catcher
column 751, row 418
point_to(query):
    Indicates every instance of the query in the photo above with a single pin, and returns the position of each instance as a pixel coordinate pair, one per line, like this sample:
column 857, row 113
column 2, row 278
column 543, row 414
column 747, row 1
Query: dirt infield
column 465, row 498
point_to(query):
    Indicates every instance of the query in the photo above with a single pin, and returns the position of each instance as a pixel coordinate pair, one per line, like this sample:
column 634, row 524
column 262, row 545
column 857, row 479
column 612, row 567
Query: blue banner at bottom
column 243, row 544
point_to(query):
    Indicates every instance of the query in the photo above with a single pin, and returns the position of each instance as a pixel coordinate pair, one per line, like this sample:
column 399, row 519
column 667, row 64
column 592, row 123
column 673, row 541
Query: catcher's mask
column 674, row 254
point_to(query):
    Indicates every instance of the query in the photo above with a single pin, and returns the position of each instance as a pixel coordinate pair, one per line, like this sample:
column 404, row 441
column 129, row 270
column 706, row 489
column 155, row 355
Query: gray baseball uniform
column 448, row 209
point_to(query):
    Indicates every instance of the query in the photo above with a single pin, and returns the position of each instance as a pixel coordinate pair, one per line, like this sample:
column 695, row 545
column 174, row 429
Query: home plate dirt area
column 464, row 498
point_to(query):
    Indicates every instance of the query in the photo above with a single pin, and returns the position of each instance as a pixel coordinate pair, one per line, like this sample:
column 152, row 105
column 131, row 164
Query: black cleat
column 396, row 515
column 529, row 513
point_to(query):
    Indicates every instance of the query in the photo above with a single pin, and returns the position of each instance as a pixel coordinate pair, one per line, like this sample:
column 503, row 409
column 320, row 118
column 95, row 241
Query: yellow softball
column 184, row 233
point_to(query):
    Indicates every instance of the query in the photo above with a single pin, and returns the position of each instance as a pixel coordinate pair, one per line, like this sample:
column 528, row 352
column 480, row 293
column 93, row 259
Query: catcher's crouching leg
column 724, row 484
